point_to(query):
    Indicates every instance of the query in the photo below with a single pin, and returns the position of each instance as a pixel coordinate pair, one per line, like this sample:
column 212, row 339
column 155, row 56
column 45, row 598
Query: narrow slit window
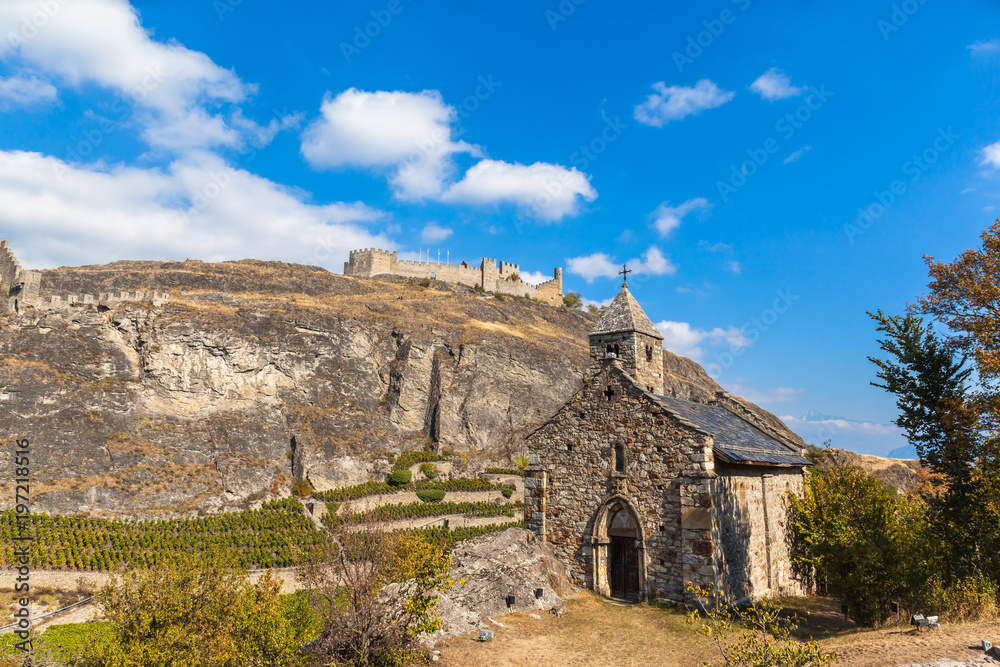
column 619, row 458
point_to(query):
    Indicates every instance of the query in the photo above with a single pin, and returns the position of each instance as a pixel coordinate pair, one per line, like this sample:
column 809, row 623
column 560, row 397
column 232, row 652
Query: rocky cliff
column 257, row 373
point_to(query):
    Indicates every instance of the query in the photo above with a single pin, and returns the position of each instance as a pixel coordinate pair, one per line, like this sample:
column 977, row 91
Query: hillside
column 256, row 373
column 906, row 475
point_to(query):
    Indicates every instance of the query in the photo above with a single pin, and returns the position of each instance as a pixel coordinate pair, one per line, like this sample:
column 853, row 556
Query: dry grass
column 595, row 632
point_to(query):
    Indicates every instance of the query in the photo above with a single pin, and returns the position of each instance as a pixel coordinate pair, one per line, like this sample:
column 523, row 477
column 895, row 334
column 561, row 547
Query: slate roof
column 625, row 315
column 737, row 440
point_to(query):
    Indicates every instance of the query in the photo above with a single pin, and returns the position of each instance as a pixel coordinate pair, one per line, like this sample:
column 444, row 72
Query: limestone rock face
column 510, row 562
column 257, row 373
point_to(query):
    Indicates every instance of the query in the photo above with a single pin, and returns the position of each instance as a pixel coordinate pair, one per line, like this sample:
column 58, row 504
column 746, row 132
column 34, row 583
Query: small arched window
column 649, row 353
column 619, row 458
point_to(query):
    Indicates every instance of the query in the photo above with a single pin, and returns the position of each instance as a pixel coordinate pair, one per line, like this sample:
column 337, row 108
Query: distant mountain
column 904, row 452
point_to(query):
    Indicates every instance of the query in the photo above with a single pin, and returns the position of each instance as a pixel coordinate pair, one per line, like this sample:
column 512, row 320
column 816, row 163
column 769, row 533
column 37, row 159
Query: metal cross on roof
column 624, row 272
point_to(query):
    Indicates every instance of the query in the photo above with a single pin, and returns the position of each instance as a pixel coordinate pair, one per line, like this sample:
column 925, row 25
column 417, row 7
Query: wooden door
column 631, row 571
column 616, row 567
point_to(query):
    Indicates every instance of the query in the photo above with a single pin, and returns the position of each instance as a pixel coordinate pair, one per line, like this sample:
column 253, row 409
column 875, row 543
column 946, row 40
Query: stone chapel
column 641, row 494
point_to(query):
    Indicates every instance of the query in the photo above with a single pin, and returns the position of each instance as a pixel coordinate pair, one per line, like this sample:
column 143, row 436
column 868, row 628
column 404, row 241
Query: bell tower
column 626, row 335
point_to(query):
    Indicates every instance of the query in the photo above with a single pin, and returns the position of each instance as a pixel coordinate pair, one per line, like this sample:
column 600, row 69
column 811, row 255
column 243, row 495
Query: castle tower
column 627, row 336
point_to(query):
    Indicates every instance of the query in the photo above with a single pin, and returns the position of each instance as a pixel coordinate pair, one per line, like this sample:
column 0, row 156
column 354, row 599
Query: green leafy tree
column 866, row 543
column 931, row 387
column 573, row 300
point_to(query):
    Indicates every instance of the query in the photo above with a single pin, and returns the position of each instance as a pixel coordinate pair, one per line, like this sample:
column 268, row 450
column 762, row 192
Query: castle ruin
column 18, row 286
column 499, row 278
column 21, row 289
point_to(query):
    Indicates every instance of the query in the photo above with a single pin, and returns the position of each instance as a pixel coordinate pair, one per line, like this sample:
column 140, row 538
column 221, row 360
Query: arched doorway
column 623, row 556
column 619, row 552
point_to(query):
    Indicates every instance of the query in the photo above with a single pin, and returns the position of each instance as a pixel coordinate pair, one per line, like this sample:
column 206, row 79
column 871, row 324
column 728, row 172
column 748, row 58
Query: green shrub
column 400, row 477
column 507, row 490
column 302, row 488
column 499, row 297
column 431, row 495
column 426, row 282
column 199, row 610
column 332, row 507
column 406, row 459
column 479, row 288
column 522, row 462
column 429, row 470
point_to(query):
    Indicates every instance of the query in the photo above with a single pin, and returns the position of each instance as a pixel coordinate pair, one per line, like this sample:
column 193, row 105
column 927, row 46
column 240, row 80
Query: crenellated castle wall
column 21, row 288
column 493, row 276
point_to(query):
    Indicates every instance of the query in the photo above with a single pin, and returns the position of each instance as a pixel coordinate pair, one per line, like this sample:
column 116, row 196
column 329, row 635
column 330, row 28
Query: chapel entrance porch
column 619, row 553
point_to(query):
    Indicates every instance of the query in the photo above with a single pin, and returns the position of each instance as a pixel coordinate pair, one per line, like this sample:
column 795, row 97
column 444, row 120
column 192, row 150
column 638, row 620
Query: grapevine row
column 277, row 535
column 346, row 493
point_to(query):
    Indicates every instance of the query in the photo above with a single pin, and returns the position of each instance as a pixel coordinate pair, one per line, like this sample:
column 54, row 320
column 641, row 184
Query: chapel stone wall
column 667, row 482
column 755, row 534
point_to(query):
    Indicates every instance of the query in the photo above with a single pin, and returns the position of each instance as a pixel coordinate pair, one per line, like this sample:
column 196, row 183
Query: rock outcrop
column 257, row 373
column 493, row 566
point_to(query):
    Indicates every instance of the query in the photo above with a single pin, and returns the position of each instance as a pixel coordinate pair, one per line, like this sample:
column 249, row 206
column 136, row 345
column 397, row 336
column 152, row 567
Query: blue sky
column 771, row 171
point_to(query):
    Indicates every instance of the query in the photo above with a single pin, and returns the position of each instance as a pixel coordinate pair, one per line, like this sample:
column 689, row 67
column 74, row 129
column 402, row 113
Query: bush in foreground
column 196, row 612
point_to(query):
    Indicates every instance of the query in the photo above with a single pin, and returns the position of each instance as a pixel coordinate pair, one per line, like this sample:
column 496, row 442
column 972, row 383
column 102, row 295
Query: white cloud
column 668, row 218
column 717, row 247
column 599, row 265
column 433, row 233
column 766, row 396
column 735, row 267
column 775, row 85
column 683, row 339
column 409, row 136
column 597, row 304
column 534, row 277
column 797, row 155
column 859, row 436
column 56, row 213
column 178, row 95
column 991, row 155
column 677, row 102
column 21, row 91
column 548, row 192
column 985, row 47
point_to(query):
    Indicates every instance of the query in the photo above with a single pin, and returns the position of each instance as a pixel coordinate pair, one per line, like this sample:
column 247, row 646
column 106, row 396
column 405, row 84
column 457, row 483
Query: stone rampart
column 17, row 285
column 499, row 277
column 106, row 299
